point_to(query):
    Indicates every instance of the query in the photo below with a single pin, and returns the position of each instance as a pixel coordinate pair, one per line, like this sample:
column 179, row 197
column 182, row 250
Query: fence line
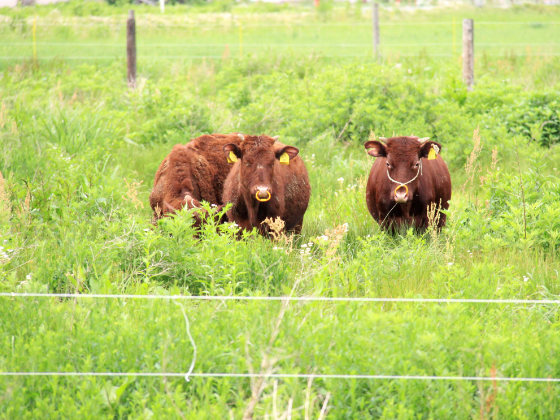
column 280, row 298
column 219, row 57
column 190, row 374
column 235, row 24
column 285, row 376
column 235, row 44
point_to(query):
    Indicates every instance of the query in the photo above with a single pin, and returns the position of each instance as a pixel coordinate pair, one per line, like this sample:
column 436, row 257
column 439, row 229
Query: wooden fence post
column 468, row 53
column 131, row 50
column 375, row 17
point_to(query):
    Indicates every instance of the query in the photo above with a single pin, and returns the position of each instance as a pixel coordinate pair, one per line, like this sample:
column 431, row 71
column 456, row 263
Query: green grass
column 341, row 32
column 76, row 142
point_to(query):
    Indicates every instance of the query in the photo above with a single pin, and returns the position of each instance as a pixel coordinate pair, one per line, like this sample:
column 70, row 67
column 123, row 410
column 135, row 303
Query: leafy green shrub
column 213, row 259
column 530, row 204
column 537, row 118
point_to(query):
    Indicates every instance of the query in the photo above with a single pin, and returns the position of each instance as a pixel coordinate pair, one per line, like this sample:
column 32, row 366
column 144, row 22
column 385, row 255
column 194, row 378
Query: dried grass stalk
column 5, row 203
column 132, row 193
column 434, row 217
column 473, row 166
column 335, row 237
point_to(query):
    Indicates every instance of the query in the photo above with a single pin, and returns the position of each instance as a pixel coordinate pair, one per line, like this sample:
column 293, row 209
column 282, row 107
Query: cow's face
column 258, row 162
column 403, row 158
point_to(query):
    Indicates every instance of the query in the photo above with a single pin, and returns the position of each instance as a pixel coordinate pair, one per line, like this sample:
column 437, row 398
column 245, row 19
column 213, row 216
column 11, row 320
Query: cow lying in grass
column 191, row 173
column 407, row 177
column 268, row 179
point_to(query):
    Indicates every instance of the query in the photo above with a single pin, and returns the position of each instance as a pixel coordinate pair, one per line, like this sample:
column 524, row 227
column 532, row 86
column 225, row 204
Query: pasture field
column 78, row 154
column 340, row 32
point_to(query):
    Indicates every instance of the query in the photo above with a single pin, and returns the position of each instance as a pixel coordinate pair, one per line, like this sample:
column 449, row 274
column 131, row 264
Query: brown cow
column 191, row 173
column 408, row 176
column 268, row 179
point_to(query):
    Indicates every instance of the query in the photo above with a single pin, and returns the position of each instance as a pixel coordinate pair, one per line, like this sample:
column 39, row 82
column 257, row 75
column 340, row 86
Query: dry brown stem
column 5, row 204
column 2, row 115
column 276, row 230
column 276, row 227
column 335, row 237
column 132, row 193
column 473, row 166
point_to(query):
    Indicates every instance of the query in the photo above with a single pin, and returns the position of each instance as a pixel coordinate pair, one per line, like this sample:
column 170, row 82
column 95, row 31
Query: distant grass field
column 340, row 32
column 78, row 156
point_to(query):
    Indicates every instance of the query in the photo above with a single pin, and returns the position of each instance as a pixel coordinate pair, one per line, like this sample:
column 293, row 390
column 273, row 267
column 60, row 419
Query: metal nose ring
column 268, row 198
column 399, row 187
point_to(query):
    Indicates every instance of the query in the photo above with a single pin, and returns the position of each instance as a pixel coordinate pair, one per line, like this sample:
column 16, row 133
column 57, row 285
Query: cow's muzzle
column 401, row 194
column 263, row 194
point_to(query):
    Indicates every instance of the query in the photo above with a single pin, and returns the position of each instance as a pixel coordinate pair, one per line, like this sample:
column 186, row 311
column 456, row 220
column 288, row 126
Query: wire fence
column 268, row 375
column 217, row 40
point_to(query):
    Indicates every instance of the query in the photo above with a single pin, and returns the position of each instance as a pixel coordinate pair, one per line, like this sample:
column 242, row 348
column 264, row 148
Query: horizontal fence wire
column 280, row 298
column 219, row 57
column 285, row 376
column 235, row 44
column 248, row 25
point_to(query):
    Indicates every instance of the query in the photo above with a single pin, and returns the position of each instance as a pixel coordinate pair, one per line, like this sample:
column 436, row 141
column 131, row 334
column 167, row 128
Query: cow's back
column 197, row 169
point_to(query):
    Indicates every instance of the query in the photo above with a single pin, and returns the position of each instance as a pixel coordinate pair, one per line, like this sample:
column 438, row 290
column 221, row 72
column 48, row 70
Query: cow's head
column 260, row 158
column 403, row 157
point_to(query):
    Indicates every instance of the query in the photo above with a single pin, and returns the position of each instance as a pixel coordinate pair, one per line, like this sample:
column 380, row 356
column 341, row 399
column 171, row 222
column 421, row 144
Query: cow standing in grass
column 408, row 176
column 268, row 180
column 191, row 173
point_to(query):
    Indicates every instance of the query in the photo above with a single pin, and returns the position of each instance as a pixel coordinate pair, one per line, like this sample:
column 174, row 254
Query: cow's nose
column 262, row 193
column 401, row 195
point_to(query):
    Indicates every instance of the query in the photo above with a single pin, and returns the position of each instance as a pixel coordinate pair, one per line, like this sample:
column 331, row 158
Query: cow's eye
column 388, row 166
column 417, row 163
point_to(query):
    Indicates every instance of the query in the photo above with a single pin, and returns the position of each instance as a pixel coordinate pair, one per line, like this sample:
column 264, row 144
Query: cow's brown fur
column 191, row 173
column 433, row 185
column 258, row 167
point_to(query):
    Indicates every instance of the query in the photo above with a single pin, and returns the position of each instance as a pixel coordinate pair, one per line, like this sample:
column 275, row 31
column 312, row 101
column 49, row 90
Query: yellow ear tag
column 284, row 159
column 232, row 158
column 432, row 155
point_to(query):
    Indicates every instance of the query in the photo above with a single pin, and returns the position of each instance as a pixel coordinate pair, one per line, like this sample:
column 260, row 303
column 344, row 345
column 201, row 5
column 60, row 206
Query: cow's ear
column 291, row 151
column 375, row 148
column 430, row 150
column 232, row 152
